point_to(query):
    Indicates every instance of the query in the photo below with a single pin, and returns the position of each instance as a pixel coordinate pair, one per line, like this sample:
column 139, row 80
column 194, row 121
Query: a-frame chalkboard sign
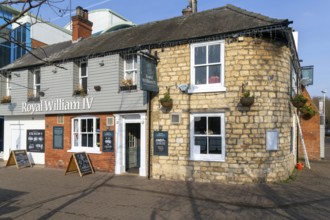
column 79, row 162
column 18, row 158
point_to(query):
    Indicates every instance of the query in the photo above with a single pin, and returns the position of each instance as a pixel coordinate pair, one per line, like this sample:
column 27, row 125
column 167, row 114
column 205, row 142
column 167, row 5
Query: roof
column 219, row 21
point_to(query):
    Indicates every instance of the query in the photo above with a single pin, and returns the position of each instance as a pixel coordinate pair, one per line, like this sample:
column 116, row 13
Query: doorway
column 132, row 142
column 1, row 133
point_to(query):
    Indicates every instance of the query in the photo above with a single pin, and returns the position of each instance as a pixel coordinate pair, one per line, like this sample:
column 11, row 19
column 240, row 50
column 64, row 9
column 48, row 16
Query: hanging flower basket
column 298, row 101
column 307, row 112
column 247, row 101
column 166, row 101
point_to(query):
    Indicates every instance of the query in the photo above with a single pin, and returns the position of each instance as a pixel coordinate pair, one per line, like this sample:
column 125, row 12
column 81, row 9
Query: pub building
column 163, row 99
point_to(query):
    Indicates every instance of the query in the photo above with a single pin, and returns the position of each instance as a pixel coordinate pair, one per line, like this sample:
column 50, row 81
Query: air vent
column 60, row 119
column 175, row 118
column 110, row 121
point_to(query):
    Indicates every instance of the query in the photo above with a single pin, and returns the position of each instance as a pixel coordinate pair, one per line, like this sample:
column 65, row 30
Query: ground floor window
column 86, row 133
column 207, row 136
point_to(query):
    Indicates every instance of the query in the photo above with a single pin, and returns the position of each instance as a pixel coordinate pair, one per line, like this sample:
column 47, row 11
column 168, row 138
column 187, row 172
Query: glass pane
column 200, row 75
column 97, row 125
column 98, row 140
column 214, row 53
column 200, row 125
column 214, row 125
column 89, row 125
column 83, row 125
column 84, row 84
column 83, row 67
column 84, row 140
column 215, row 145
column 214, row 74
column 75, row 139
column 75, row 125
column 37, row 74
column 37, row 89
column 90, row 140
column 200, row 55
column 129, row 63
column 202, row 142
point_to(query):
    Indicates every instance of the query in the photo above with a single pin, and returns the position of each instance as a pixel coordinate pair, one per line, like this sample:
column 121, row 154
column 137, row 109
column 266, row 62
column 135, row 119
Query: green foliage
column 308, row 110
column 299, row 98
column 166, row 98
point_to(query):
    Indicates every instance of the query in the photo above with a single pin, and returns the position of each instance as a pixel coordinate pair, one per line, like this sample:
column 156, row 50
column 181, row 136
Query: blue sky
column 310, row 18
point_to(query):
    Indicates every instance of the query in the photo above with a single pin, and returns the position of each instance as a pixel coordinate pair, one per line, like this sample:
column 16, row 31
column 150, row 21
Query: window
column 21, row 35
column 8, row 86
column 83, row 76
column 130, row 73
column 207, row 67
column 5, row 88
column 86, row 134
column 34, row 85
column 207, row 137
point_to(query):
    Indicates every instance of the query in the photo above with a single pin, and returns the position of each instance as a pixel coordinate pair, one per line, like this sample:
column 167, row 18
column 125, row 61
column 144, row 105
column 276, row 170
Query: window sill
column 33, row 99
column 206, row 88
column 84, row 149
column 207, row 159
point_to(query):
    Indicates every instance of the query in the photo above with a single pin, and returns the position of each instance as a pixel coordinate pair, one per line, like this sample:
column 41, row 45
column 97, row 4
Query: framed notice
column 161, row 143
column 272, row 140
column 35, row 140
column 58, row 137
column 107, row 141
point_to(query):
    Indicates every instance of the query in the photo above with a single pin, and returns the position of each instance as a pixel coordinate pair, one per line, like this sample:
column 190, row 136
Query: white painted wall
column 23, row 123
column 44, row 32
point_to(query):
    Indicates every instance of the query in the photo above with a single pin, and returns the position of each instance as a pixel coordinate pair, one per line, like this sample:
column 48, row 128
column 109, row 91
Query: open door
column 132, row 147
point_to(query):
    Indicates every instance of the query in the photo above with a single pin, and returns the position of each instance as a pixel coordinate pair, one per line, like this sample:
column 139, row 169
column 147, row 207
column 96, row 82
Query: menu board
column 80, row 162
column 35, row 140
column 161, row 143
column 18, row 158
column 107, row 143
column 58, row 137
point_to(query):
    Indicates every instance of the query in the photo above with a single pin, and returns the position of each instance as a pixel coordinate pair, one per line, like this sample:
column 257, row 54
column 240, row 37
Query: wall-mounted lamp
column 101, row 63
column 183, row 87
column 17, row 74
column 54, row 70
column 97, row 88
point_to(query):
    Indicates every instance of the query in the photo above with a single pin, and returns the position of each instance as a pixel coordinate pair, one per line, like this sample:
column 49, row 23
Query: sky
column 310, row 18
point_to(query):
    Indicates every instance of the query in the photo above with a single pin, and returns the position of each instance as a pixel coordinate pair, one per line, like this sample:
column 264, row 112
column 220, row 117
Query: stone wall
column 265, row 66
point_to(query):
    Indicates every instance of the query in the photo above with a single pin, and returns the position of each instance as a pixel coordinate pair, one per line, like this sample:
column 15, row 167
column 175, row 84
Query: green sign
column 307, row 75
column 148, row 74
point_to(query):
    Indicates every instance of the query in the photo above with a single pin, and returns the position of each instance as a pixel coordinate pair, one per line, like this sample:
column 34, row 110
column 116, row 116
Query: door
column 1, row 133
column 132, row 147
column 16, row 137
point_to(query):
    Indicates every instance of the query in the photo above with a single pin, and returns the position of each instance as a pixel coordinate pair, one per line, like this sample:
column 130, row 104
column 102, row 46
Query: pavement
column 45, row 193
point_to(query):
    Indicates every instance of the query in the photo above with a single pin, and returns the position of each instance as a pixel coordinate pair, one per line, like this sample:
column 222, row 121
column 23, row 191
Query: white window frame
column 133, row 70
column 8, row 86
column 194, row 148
column 81, row 77
column 35, row 84
column 96, row 146
column 214, row 87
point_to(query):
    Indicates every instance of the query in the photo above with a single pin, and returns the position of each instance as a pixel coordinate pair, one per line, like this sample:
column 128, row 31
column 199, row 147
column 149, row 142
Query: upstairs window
column 83, row 76
column 130, row 73
column 207, row 67
column 34, row 84
column 5, row 81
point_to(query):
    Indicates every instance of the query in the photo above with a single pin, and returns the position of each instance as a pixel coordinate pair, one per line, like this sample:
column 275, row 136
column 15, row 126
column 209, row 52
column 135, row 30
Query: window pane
column 200, row 125
column 90, row 140
column 215, row 145
column 97, row 125
column 84, row 140
column 214, row 53
column 129, row 63
column 89, row 125
column 84, row 84
column 37, row 89
column 75, row 139
column 200, row 75
column 214, row 125
column 37, row 74
column 214, row 74
column 75, row 125
column 83, row 125
column 202, row 142
column 200, row 55
column 83, row 67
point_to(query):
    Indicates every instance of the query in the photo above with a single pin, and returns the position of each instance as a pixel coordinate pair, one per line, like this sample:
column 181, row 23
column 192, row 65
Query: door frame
column 120, row 147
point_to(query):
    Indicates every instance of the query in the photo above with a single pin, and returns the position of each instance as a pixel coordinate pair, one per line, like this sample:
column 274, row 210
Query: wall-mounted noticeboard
column 58, row 137
column 161, row 143
column 107, row 141
column 35, row 140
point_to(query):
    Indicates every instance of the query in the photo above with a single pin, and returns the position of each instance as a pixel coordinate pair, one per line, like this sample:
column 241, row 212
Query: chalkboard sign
column 107, row 143
column 18, row 158
column 80, row 162
column 58, row 137
column 161, row 143
column 35, row 140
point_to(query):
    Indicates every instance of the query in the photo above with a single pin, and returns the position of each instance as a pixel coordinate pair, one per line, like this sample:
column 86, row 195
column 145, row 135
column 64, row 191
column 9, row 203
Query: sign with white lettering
column 148, row 74
column 54, row 105
column 307, row 75
column 35, row 140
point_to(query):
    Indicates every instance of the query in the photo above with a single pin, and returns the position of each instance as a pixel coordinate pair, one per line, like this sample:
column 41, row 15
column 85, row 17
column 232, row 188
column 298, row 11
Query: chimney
column 81, row 26
column 191, row 8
